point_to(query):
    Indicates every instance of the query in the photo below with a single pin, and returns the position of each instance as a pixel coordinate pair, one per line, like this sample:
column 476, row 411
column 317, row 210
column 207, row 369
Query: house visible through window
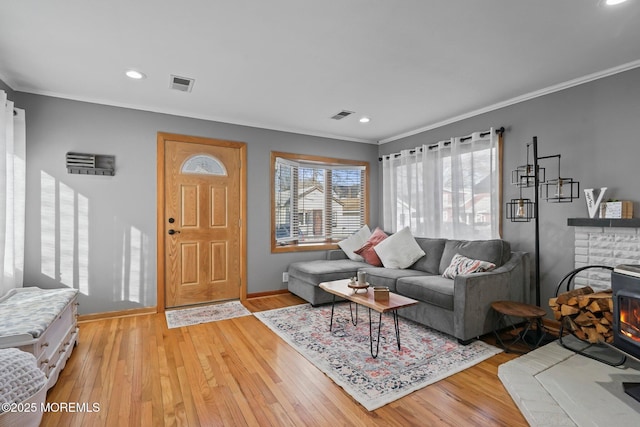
column 450, row 189
column 316, row 201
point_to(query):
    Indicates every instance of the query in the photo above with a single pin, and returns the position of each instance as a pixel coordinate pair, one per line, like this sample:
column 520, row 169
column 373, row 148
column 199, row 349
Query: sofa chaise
column 460, row 307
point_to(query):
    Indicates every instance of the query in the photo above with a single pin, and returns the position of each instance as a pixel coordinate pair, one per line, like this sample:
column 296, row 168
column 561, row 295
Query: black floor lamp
column 555, row 190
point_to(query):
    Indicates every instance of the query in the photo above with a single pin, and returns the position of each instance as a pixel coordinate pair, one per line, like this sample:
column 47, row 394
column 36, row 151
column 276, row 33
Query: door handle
column 172, row 232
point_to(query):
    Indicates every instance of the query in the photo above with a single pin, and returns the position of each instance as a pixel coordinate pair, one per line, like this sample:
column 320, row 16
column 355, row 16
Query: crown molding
column 531, row 95
column 528, row 96
column 190, row 115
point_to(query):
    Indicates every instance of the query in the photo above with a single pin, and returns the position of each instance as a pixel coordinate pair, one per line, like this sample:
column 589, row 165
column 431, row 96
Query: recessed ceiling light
column 133, row 74
column 365, row 119
column 613, row 2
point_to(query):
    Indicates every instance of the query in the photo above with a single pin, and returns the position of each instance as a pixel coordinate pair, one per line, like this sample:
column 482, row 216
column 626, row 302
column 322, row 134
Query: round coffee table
column 531, row 313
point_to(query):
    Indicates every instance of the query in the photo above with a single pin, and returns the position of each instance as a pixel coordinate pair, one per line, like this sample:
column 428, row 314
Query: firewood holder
column 601, row 351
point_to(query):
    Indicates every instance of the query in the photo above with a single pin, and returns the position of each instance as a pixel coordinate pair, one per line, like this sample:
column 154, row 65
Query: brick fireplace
column 604, row 242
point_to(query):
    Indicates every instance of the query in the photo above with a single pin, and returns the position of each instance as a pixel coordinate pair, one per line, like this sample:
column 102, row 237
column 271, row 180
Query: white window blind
column 317, row 202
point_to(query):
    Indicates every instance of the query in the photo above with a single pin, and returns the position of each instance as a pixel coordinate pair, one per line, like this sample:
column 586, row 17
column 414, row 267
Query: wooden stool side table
column 531, row 313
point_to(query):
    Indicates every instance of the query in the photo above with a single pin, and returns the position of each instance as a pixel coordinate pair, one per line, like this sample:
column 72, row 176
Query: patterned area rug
column 344, row 355
column 205, row 314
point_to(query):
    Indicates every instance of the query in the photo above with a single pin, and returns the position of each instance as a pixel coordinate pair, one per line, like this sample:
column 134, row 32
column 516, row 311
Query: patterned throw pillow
column 463, row 265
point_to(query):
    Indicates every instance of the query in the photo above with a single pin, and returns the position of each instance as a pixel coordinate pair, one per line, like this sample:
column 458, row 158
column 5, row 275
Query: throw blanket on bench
column 32, row 311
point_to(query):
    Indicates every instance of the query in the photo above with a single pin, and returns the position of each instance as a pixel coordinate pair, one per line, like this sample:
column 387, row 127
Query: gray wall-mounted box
column 91, row 164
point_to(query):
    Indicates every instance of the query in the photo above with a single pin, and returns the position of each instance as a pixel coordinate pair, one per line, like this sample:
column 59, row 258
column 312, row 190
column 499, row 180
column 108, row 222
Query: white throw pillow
column 355, row 242
column 400, row 250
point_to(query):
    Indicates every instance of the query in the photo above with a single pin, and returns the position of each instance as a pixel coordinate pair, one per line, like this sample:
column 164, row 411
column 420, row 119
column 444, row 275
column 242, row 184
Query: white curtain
column 450, row 189
column 12, row 193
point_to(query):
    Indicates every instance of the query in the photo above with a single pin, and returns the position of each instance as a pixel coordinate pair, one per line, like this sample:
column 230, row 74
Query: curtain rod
column 430, row 147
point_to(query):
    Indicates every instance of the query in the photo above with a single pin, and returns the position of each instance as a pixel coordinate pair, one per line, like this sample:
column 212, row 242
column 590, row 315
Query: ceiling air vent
column 183, row 84
column 342, row 114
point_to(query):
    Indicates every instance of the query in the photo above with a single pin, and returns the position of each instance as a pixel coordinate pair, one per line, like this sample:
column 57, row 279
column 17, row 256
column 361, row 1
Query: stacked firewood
column 585, row 313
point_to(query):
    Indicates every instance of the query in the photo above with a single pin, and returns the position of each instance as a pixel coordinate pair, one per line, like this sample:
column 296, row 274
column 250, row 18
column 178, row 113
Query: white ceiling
column 290, row 65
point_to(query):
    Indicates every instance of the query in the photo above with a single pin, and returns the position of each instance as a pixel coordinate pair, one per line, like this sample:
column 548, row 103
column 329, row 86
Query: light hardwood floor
column 237, row 372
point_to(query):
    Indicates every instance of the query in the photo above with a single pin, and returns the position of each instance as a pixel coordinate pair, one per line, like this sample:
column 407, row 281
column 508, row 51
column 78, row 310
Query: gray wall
column 115, row 217
column 3, row 86
column 596, row 129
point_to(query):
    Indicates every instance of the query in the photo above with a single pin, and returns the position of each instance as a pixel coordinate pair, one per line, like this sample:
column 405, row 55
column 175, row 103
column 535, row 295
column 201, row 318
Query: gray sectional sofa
column 460, row 307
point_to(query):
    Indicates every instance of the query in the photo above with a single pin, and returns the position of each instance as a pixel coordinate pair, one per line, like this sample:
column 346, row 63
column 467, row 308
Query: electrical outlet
column 285, row 276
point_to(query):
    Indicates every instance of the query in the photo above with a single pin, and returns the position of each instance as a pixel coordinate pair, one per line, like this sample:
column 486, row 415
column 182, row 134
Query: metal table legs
column 371, row 332
column 377, row 340
column 538, row 334
column 353, row 321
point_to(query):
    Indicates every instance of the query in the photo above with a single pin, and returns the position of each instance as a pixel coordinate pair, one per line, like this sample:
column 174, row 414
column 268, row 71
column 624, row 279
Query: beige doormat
column 205, row 314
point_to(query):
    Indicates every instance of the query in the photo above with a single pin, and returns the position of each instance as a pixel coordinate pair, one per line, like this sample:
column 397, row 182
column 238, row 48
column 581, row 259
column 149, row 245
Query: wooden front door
column 200, row 224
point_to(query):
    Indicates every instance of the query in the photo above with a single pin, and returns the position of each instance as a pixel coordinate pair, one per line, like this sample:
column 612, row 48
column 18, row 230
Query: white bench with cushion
column 41, row 322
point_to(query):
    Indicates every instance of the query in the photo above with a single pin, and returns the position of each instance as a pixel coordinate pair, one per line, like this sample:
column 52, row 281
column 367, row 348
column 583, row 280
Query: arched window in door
column 202, row 164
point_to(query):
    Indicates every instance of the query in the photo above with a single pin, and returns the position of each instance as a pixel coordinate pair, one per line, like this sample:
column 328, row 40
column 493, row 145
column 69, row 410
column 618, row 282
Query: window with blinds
column 316, row 201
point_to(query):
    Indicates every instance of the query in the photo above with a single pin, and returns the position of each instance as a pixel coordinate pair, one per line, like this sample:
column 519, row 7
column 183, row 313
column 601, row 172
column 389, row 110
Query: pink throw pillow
column 367, row 252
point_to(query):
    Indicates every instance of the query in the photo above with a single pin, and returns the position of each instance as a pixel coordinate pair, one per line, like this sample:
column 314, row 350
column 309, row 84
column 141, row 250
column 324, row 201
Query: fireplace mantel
column 603, row 222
